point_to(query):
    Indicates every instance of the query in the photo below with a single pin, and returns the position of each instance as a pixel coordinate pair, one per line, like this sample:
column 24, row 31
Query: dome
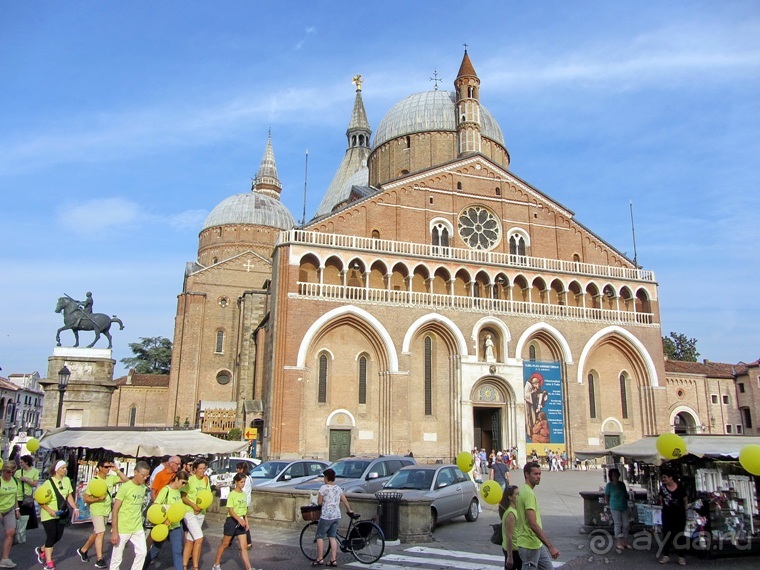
column 429, row 111
column 252, row 208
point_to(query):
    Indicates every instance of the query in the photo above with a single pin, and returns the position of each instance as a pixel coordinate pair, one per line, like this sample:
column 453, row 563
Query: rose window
column 479, row 228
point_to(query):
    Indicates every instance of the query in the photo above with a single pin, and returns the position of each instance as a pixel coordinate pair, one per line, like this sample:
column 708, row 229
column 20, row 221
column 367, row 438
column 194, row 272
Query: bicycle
column 364, row 539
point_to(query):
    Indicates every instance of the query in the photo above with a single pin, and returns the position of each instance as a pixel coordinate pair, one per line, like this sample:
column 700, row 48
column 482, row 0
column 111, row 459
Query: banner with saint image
column 544, row 413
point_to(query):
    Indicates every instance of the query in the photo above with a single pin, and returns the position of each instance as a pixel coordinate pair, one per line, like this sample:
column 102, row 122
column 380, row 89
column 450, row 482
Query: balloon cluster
column 162, row 516
column 490, row 490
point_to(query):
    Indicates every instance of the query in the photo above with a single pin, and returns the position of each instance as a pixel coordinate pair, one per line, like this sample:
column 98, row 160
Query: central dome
column 252, row 208
column 429, row 111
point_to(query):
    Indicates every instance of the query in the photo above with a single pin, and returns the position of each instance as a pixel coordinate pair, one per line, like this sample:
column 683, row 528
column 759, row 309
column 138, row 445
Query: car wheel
column 472, row 512
column 433, row 519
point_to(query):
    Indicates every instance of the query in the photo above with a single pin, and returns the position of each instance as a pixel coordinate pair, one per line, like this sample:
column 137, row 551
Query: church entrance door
column 340, row 444
column 487, row 424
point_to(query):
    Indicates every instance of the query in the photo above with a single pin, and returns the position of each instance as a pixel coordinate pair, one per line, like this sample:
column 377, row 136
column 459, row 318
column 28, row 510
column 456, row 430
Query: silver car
column 362, row 474
column 279, row 473
column 453, row 493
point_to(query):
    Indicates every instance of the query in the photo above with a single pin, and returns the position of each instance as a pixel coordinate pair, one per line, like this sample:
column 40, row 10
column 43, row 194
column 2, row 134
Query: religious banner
column 544, row 413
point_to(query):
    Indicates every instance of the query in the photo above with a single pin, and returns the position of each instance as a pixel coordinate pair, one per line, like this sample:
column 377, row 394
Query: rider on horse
column 86, row 308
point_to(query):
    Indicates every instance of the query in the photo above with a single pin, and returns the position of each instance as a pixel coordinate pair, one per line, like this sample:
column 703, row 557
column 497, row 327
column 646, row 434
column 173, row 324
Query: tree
column 153, row 355
column 678, row 347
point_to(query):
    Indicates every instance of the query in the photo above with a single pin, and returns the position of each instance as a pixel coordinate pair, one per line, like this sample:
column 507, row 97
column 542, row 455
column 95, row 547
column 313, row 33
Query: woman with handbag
column 28, row 477
column 236, row 524
column 10, row 494
column 56, row 513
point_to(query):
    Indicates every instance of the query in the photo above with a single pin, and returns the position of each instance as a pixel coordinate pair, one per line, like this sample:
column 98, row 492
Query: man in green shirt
column 100, row 508
column 126, row 518
column 533, row 545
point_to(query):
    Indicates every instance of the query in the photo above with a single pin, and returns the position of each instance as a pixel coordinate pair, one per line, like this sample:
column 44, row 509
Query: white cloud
column 311, row 30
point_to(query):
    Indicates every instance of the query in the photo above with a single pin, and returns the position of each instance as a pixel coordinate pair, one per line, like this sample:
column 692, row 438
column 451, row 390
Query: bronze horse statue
column 77, row 320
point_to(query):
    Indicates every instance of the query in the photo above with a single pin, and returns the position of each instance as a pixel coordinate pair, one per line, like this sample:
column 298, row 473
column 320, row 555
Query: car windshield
column 350, row 469
column 419, row 479
column 268, row 469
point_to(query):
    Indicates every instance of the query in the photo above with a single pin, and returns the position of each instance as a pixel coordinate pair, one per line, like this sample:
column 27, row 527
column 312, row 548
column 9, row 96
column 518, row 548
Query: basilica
column 436, row 302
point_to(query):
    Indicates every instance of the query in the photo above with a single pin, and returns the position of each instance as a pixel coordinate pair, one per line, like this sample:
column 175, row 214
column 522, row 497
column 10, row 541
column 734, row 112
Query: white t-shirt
column 330, row 501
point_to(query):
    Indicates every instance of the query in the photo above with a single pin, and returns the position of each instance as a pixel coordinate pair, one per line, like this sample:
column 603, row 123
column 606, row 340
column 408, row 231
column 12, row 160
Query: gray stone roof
column 429, row 111
column 251, row 208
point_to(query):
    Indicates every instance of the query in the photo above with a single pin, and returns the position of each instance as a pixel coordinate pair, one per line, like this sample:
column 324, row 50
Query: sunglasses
column 7, row 470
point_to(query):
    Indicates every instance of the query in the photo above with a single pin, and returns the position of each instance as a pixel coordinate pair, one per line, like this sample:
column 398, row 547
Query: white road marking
column 438, row 557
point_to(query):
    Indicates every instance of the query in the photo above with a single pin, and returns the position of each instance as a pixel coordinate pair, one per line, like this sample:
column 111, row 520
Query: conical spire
column 466, row 69
column 358, row 131
column 267, row 181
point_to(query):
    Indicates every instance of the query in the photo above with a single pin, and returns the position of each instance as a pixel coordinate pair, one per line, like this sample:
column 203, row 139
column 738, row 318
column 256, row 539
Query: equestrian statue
column 78, row 316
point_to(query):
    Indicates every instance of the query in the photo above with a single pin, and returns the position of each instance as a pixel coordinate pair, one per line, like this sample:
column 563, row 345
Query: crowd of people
column 172, row 481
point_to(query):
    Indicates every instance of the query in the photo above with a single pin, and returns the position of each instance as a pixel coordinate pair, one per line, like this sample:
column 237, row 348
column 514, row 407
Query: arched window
column 532, row 352
column 132, row 415
column 624, row 396
column 375, row 234
column 459, row 184
column 363, row 380
column 219, row 348
column 428, row 376
column 322, row 383
column 408, row 142
column 439, row 238
column 516, row 245
column 592, row 396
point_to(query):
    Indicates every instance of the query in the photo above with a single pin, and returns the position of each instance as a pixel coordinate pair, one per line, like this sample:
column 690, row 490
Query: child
column 236, row 524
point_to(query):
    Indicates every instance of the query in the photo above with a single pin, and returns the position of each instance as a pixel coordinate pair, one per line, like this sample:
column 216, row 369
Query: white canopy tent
column 141, row 442
column 711, row 446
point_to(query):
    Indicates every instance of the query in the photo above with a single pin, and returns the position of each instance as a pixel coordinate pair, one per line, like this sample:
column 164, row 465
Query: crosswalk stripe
column 437, row 557
column 455, row 553
column 439, row 562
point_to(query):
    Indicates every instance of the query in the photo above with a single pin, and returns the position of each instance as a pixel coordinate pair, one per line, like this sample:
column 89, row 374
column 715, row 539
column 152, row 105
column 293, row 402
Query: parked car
column 279, row 473
column 453, row 493
column 362, row 474
column 223, row 469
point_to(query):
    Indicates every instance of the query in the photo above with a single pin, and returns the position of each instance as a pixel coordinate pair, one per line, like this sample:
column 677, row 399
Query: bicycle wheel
column 366, row 542
column 309, row 542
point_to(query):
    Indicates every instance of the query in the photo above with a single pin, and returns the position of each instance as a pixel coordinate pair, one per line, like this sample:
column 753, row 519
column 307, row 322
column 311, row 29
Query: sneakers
column 101, row 564
column 50, row 565
column 216, row 567
column 7, row 563
column 664, row 559
column 82, row 555
column 40, row 552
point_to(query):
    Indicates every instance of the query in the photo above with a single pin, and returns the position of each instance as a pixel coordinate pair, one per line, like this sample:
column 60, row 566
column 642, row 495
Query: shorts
column 327, row 528
column 98, row 523
column 9, row 520
column 233, row 528
column 194, row 523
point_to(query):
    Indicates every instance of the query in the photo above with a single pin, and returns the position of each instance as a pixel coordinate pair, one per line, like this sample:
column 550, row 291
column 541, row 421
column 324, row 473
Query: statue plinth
column 76, row 353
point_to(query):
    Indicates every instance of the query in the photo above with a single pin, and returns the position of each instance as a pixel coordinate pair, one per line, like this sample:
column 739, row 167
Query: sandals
column 319, row 562
column 332, row 563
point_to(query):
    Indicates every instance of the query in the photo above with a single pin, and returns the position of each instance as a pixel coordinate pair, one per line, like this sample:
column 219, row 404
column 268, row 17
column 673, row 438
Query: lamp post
column 63, row 380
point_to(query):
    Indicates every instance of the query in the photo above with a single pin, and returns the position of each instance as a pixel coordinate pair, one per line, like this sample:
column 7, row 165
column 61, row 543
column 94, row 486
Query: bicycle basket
column 311, row 512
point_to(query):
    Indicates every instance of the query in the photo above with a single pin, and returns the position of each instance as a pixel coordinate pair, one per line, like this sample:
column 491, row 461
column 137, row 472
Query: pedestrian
column 100, row 509
column 15, row 454
column 10, row 512
column 160, row 467
column 162, row 478
column 617, row 499
column 55, row 514
column 499, row 473
column 330, row 497
column 195, row 516
column 242, row 467
column 536, row 550
column 169, row 495
column 127, row 520
column 236, row 524
column 508, row 502
column 29, row 477
column 674, row 502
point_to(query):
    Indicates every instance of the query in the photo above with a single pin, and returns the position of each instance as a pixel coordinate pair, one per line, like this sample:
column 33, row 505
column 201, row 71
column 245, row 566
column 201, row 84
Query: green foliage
column 153, row 355
column 234, row 434
column 678, row 346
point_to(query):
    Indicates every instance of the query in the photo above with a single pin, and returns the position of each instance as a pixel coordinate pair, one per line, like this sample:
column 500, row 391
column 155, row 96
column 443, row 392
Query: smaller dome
column 251, row 208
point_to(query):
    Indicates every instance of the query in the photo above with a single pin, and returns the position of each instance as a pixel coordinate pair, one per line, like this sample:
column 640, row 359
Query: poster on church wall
column 544, row 414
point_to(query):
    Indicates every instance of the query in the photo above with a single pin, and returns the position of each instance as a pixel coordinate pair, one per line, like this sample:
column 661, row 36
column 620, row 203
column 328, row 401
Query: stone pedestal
column 87, row 400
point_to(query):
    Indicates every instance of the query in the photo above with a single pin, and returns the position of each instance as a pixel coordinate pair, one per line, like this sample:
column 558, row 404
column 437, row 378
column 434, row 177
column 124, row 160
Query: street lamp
column 63, row 380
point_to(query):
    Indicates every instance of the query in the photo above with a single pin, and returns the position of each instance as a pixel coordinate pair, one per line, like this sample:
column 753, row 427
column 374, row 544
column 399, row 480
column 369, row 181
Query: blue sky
column 124, row 124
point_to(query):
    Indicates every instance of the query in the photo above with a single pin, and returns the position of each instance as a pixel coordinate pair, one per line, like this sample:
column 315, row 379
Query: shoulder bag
column 64, row 512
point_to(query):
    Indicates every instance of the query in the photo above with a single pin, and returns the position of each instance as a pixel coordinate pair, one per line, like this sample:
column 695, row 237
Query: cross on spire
column 465, row 48
column 358, row 80
column 435, row 79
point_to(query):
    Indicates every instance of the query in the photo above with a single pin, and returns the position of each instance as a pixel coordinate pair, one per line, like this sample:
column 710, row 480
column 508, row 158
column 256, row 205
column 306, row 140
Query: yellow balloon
column 157, row 513
column 749, row 457
column 1, row 463
column 671, row 446
column 43, row 495
column 32, row 444
column 204, row 499
column 98, row 487
column 465, row 461
column 491, row 492
column 159, row 533
column 176, row 512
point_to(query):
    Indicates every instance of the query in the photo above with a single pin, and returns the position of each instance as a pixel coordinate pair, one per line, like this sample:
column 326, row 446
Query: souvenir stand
column 724, row 517
column 82, row 448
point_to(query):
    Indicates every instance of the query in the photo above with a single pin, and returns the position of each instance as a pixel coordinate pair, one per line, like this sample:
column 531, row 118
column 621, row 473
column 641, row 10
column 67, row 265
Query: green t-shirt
column 130, row 512
column 192, row 487
column 524, row 536
column 64, row 488
column 33, row 474
column 504, row 531
column 10, row 495
column 238, row 503
column 103, row 508
column 169, row 496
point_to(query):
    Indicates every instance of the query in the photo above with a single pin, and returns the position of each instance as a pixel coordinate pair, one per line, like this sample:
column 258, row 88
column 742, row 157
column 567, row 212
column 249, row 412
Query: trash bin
column 387, row 510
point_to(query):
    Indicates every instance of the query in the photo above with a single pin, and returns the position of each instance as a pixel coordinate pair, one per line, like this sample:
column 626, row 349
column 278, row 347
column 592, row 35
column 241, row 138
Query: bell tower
column 467, row 88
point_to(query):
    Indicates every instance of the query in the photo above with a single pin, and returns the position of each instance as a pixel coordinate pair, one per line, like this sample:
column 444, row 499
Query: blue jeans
column 176, row 539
